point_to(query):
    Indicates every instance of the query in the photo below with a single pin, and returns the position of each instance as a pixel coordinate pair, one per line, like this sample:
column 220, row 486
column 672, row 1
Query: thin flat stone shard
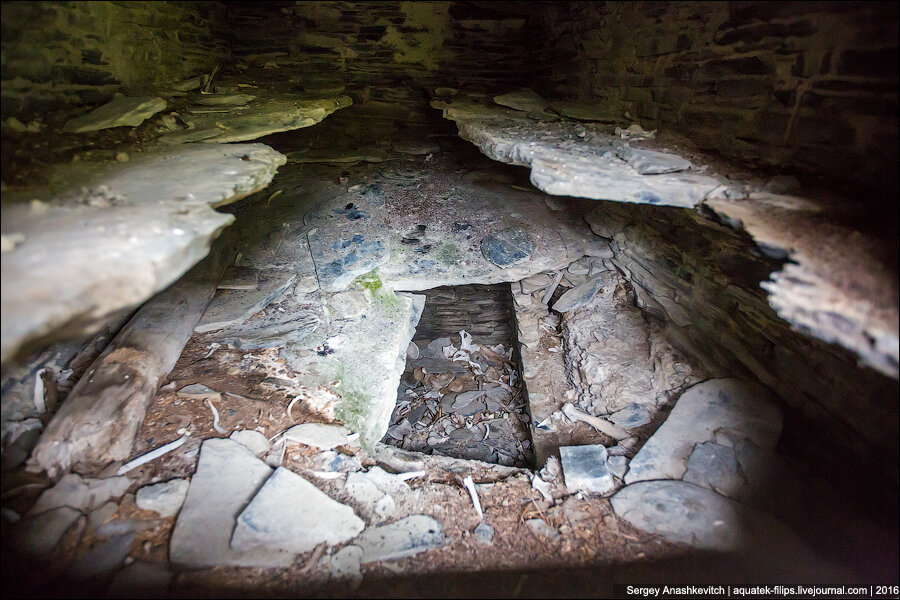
column 291, row 514
column 233, row 306
column 585, row 469
column 565, row 163
column 579, row 295
column 121, row 111
column 228, row 477
column 746, row 409
column 406, row 537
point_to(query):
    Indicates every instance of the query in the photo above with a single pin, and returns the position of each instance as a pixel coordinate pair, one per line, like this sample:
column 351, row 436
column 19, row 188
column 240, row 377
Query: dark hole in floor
column 461, row 395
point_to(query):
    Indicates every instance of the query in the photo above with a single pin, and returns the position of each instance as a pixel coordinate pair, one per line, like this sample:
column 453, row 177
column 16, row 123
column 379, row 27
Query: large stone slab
column 406, row 537
column 741, row 409
column 121, row 111
column 291, row 514
column 523, row 99
column 228, row 477
column 569, row 159
column 136, row 228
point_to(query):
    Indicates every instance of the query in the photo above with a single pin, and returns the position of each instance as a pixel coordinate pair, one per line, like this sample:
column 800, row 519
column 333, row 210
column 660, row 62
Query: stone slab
column 746, row 410
column 233, row 306
column 406, row 537
column 164, row 498
column 291, row 514
column 228, row 477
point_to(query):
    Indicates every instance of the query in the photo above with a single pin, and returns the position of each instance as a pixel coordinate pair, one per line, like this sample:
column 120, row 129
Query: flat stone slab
column 524, row 99
column 580, row 160
column 406, row 537
column 104, row 558
column 239, row 278
column 228, row 477
column 579, row 295
column 291, row 514
column 651, row 162
column 319, row 435
column 232, row 306
column 164, row 498
column 121, row 111
column 585, row 469
column 263, row 117
column 745, row 410
column 137, row 228
column 224, row 99
column 684, row 513
column 583, row 111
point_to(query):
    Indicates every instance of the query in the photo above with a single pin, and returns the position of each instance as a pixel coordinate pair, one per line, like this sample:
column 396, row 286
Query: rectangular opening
column 461, row 394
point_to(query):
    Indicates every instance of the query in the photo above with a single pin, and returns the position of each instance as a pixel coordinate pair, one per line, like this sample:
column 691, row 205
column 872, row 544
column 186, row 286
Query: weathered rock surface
column 141, row 580
column 122, row 111
column 293, row 515
column 164, row 498
column 256, row 442
column 579, row 295
column 744, row 410
column 508, row 247
column 103, row 558
column 566, row 161
column 406, row 537
column 137, row 229
column 228, row 476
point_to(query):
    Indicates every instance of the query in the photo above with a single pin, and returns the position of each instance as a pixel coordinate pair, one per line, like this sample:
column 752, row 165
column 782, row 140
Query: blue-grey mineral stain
column 508, row 247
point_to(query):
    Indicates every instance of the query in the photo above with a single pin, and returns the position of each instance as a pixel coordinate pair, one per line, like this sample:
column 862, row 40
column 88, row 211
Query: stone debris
column 344, row 565
column 579, row 295
column 745, row 410
column 164, row 498
column 631, row 416
column 483, row 533
column 264, row 117
column 228, row 476
column 541, row 528
column 199, row 392
column 256, row 442
column 80, row 494
column 406, row 537
column 585, row 469
column 318, row 435
column 684, row 513
column 231, row 306
column 224, row 99
column 291, row 514
column 121, row 111
column 239, row 278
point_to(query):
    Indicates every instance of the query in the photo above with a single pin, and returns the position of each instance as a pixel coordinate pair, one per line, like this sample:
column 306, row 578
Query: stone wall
column 804, row 85
column 703, row 280
column 70, row 53
column 388, row 56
